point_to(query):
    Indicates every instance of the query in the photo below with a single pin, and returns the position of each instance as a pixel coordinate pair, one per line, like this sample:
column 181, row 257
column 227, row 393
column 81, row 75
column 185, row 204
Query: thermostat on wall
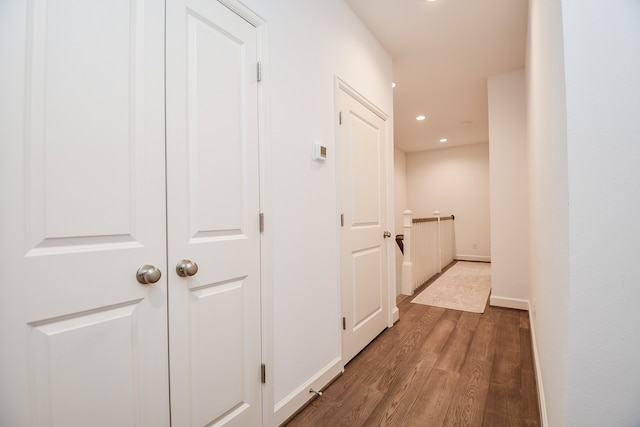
column 319, row 152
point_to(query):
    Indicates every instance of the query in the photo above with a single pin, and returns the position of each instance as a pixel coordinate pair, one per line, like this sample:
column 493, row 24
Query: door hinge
column 341, row 220
column 340, row 118
column 259, row 71
column 263, row 373
column 261, row 222
column 344, row 323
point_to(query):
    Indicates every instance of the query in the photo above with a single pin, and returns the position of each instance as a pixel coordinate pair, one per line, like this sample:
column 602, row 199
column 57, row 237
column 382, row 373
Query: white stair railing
column 407, row 264
column 447, row 242
column 429, row 245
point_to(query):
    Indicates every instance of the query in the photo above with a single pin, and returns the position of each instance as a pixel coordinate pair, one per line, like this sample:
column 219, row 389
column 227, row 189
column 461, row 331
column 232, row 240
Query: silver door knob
column 186, row 268
column 386, row 234
column 148, row 274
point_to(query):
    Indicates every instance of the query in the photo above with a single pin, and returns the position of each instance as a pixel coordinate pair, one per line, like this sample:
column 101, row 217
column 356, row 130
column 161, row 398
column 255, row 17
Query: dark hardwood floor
column 436, row 367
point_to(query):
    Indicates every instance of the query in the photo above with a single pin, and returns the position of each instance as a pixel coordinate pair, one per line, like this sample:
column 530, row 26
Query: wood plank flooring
column 436, row 367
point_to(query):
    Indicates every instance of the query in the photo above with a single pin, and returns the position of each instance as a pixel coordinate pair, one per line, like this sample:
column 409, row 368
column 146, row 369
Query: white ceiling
column 443, row 52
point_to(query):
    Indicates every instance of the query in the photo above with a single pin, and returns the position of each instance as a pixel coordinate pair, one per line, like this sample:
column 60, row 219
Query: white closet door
column 213, row 203
column 362, row 141
column 83, row 207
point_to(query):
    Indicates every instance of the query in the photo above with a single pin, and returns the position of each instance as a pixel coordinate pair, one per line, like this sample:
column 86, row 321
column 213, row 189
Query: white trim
column 542, row 405
column 481, row 258
column 266, row 238
column 244, row 12
column 340, row 84
column 526, row 305
column 296, row 399
column 520, row 304
column 394, row 313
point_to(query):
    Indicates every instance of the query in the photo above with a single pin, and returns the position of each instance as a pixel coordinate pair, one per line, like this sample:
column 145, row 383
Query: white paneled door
column 97, row 324
column 362, row 145
column 213, row 215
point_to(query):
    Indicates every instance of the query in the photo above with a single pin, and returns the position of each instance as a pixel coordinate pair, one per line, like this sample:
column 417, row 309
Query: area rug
column 465, row 287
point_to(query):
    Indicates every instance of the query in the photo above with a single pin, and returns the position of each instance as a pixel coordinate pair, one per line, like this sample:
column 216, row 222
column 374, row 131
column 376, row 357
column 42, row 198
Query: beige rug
column 465, row 286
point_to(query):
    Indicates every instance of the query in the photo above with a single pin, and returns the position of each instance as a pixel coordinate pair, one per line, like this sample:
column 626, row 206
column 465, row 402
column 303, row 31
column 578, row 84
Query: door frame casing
column 340, row 84
column 266, row 236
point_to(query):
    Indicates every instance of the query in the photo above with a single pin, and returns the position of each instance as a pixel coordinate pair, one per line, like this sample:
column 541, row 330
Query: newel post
column 407, row 265
column 437, row 215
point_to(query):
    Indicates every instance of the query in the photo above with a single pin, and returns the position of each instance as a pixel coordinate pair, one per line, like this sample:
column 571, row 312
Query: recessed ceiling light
column 430, row 1
column 393, row 84
column 443, row 140
column 420, row 117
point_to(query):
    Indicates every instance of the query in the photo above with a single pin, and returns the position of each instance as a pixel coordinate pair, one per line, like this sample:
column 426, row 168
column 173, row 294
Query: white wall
column 454, row 181
column 400, row 171
column 308, row 44
column 548, row 201
column 400, row 184
column 583, row 68
column 509, row 190
column 602, row 68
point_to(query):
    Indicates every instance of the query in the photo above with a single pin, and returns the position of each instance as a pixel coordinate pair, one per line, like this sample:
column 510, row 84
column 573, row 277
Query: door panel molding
column 363, row 140
column 85, row 206
column 82, row 161
column 213, row 192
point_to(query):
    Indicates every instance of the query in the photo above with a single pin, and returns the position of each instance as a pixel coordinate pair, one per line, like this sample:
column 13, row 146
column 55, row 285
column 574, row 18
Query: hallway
column 436, row 367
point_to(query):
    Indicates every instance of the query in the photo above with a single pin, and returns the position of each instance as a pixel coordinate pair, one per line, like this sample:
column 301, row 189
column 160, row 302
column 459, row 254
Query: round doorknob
column 186, row 268
column 148, row 274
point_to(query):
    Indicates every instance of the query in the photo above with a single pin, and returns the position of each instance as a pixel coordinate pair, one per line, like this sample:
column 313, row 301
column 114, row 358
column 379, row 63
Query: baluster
column 407, row 265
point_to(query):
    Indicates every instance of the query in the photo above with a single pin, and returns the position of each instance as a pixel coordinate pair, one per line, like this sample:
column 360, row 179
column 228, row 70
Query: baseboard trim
column 542, row 406
column 462, row 257
column 395, row 315
column 520, row 304
column 297, row 399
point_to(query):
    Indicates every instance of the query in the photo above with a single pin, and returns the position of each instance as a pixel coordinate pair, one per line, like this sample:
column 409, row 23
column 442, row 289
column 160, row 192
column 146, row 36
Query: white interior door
column 213, row 215
column 362, row 144
column 83, row 207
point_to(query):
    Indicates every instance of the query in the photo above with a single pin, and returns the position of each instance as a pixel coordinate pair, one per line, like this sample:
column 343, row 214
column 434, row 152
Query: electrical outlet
column 474, row 246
